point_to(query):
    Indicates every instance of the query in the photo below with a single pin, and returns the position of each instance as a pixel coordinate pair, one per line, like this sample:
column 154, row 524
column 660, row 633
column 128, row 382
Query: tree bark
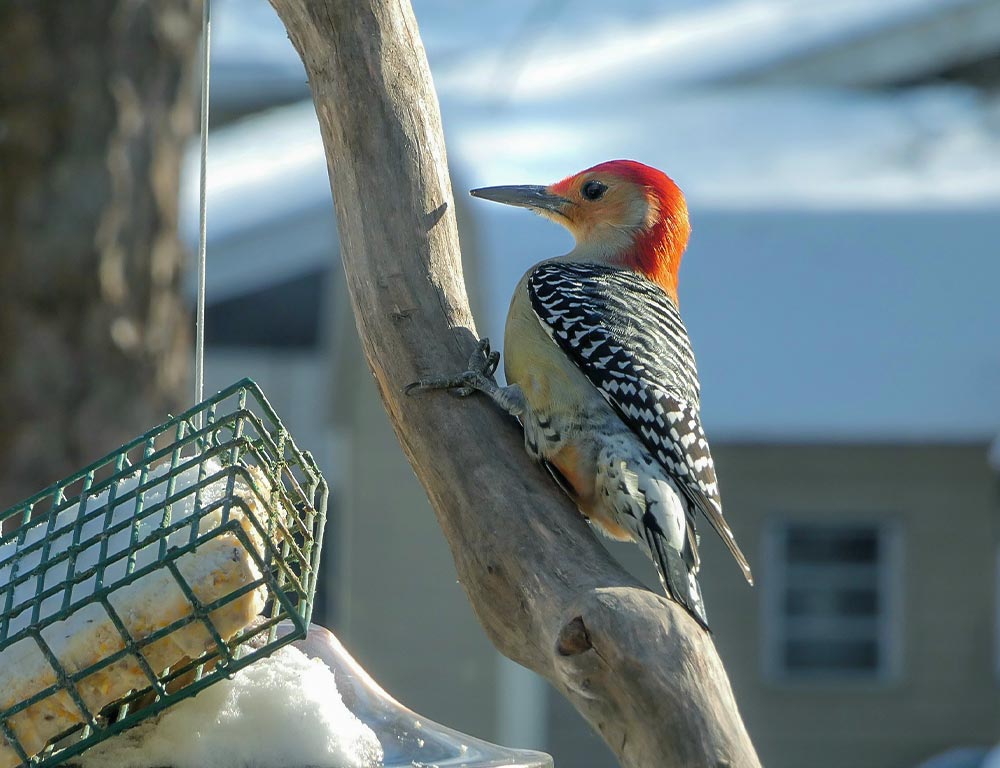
column 96, row 102
column 549, row 596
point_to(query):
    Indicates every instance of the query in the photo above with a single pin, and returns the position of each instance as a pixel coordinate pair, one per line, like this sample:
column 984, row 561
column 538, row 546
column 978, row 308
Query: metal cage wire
column 226, row 467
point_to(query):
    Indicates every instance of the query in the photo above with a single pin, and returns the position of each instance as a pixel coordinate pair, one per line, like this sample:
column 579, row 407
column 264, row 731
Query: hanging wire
column 199, row 350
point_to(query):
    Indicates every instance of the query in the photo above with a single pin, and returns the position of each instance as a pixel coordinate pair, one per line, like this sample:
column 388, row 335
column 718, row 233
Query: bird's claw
column 484, row 360
column 482, row 365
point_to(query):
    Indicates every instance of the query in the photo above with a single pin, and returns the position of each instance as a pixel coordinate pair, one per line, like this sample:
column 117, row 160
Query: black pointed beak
column 524, row 196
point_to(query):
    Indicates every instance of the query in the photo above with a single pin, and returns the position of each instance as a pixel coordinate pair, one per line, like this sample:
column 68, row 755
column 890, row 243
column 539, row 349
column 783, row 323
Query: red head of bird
column 620, row 212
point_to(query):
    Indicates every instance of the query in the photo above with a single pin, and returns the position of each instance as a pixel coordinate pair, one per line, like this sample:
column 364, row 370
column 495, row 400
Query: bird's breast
column 550, row 381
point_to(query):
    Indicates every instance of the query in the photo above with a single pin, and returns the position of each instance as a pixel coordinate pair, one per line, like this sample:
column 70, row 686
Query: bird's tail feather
column 678, row 581
column 713, row 511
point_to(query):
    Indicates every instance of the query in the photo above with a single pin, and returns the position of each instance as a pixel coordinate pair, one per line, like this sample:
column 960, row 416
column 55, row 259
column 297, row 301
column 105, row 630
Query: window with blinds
column 831, row 600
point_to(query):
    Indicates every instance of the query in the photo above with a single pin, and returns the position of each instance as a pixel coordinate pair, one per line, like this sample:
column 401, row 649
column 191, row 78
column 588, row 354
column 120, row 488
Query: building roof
column 876, row 44
column 840, row 281
column 495, row 50
column 844, row 43
column 871, row 314
column 269, row 204
column 751, row 147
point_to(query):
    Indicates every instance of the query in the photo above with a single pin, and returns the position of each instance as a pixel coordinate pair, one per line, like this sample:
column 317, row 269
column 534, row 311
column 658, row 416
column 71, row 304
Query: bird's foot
column 478, row 377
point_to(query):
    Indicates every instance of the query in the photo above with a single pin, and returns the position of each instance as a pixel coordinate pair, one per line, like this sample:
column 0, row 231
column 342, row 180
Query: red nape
column 658, row 249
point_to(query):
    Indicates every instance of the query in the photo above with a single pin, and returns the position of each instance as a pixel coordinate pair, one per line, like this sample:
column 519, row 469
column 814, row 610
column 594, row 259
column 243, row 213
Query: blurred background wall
column 842, row 166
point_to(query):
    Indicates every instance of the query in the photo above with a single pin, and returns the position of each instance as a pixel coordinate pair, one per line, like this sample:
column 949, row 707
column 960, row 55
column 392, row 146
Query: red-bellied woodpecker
column 600, row 370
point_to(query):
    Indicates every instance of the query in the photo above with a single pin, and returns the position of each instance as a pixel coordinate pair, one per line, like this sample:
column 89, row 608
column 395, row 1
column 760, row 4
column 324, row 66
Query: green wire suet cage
column 163, row 568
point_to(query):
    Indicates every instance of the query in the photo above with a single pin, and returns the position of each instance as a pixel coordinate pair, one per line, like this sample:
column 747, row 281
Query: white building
column 840, row 289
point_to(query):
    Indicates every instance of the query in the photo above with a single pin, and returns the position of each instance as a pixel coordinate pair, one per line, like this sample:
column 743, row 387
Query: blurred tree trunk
column 97, row 100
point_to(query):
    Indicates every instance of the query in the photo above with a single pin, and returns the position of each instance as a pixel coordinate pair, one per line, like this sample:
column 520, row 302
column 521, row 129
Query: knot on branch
column 574, row 638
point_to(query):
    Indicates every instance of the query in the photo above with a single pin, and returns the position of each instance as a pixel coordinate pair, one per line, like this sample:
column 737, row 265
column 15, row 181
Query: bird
column 600, row 370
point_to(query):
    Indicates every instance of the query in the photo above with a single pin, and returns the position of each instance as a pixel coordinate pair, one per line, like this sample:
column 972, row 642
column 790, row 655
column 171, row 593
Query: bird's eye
column 593, row 190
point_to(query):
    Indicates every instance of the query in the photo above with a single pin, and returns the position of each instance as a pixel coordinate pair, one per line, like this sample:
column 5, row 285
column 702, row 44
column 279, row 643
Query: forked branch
column 549, row 596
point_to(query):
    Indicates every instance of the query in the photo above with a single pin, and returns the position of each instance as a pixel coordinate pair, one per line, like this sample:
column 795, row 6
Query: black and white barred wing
column 627, row 337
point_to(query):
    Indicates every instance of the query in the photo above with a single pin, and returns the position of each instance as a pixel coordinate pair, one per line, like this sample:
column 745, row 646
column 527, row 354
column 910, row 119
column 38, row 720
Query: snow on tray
column 284, row 710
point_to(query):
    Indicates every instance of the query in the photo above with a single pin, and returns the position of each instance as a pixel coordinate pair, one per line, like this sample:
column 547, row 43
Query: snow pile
column 649, row 45
column 753, row 148
column 284, row 710
column 496, row 50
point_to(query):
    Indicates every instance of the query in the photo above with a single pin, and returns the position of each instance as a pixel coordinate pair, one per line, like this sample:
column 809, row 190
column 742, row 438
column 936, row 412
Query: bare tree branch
column 547, row 593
